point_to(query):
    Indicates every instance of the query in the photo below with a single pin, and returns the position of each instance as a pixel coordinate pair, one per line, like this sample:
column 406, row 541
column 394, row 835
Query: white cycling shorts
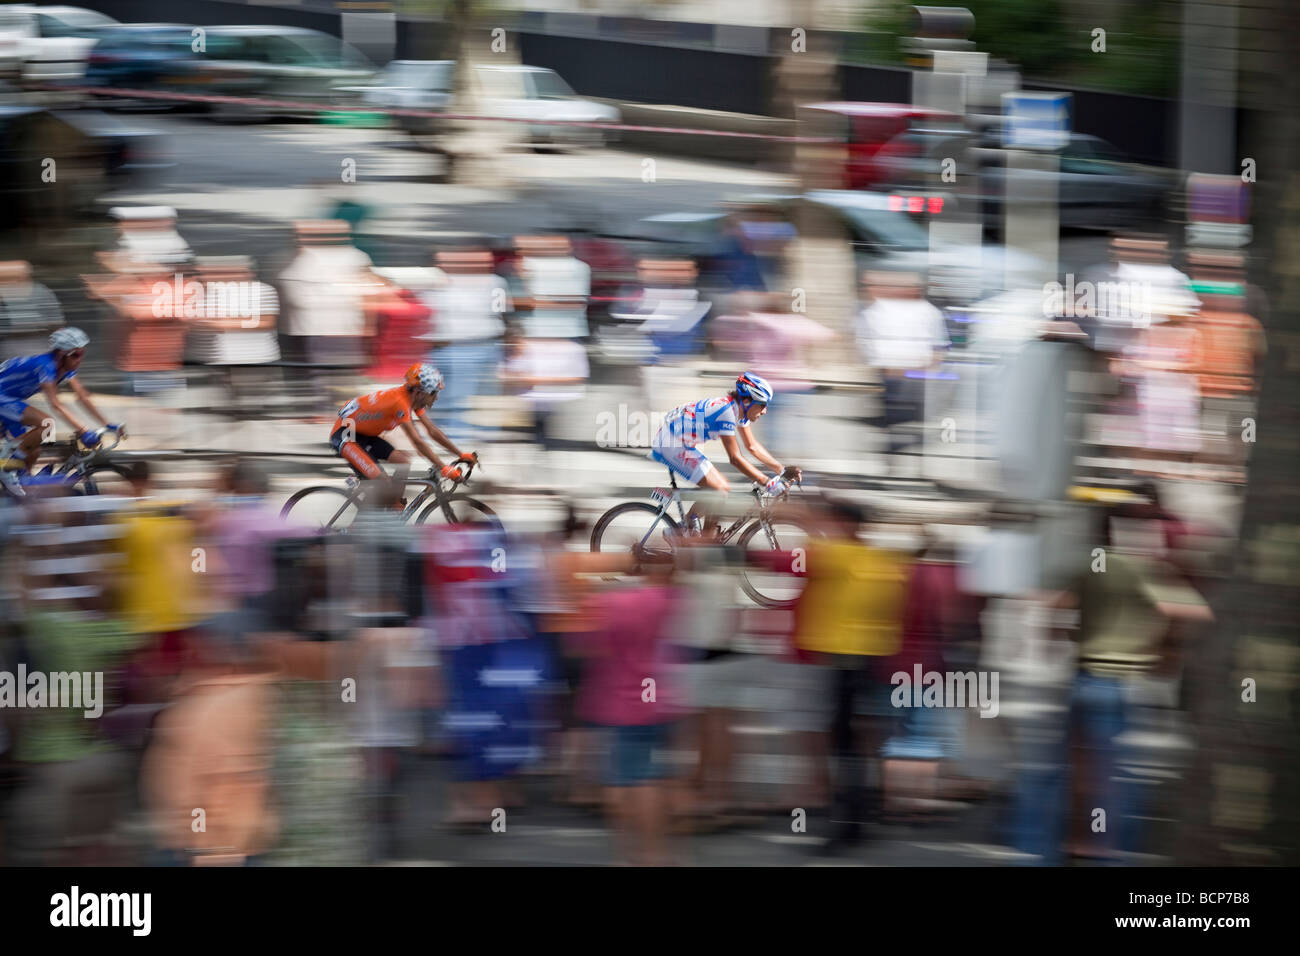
column 690, row 463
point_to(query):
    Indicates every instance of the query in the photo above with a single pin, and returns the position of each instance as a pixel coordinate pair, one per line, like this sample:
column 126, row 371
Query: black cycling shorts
column 373, row 445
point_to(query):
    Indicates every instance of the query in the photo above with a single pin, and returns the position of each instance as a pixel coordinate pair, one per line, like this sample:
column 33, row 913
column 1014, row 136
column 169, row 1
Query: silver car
column 279, row 63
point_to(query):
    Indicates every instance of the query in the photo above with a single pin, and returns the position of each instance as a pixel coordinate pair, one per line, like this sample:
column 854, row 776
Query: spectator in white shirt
column 902, row 336
column 554, row 285
column 468, row 325
column 147, row 236
column 547, row 374
column 329, row 288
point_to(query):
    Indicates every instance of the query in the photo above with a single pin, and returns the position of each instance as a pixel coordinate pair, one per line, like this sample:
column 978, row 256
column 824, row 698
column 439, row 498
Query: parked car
column 862, row 129
column 413, row 85
column 1096, row 187
column 536, row 93
column 142, row 56
column 52, row 42
column 279, row 63
column 882, row 237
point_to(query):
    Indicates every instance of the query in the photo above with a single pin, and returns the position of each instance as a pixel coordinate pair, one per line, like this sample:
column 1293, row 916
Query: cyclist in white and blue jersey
column 23, row 377
column 688, row 426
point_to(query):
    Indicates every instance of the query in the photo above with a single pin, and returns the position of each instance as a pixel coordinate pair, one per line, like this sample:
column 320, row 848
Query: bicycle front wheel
column 321, row 508
column 775, row 557
column 459, row 509
column 104, row 479
column 634, row 527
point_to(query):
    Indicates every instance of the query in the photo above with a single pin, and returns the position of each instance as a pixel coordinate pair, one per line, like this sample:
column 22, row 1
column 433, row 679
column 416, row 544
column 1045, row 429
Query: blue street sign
column 1035, row 120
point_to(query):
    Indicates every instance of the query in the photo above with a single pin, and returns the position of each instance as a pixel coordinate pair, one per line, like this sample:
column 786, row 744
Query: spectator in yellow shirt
column 848, row 623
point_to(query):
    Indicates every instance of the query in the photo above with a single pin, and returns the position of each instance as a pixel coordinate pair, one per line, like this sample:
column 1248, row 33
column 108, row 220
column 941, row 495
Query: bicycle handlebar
column 101, row 446
column 468, row 466
column 788, row 479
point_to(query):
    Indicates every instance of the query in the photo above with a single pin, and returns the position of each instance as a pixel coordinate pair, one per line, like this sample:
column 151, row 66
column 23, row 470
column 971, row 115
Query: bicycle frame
column 73, row 462
column 432, row 489
column 761, row 512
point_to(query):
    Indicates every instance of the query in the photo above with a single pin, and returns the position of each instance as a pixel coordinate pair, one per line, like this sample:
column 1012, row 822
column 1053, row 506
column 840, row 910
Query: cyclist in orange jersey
column 357, row 434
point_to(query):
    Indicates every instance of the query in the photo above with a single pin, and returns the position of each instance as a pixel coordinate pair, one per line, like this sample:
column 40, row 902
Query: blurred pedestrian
column 1125, row 613
column 237, row 322
column 629, row 689
column 903, row 337
column 468, row 326
column 147, row 237
column 29, row 311
column 331, row 294
column 548, row 375
column 849, row 623
column 553, row 287
column 73, row 780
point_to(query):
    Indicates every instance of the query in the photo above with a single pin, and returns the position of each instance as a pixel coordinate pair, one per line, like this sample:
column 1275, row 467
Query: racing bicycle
column 80, row 467
column 651, row 533
column 331, row 508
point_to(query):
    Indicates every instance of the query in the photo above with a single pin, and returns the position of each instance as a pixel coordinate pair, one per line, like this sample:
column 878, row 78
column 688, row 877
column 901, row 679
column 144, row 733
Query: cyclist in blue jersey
column 688, row 426
column 21, row 425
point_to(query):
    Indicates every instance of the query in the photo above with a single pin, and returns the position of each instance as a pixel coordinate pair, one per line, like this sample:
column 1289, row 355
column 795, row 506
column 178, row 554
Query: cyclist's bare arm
column 438, row 435
column 83, row 396
column 755, row 448
column 52, row 396
column 421, row 446
column 739, row 461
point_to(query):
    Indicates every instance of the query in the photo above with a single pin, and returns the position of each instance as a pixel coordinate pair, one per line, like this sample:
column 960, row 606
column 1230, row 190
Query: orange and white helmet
column 424, row 376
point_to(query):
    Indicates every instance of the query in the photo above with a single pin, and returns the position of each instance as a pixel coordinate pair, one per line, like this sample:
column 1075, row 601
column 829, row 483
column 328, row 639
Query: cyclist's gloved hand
column 120, row 429
column 774, row 486
column 468, row 456
column 451, row 472
column 89, row 439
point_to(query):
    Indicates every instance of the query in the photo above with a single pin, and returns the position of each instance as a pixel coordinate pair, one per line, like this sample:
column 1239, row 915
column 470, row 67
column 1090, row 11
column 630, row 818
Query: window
column 414, row 75
column 72, row 23
column 549, row 86
column 892, row 230
column 502, row 84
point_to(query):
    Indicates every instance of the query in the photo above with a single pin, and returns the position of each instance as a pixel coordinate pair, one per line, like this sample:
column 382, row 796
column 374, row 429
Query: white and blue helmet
column 754, row 388
column 67, row 339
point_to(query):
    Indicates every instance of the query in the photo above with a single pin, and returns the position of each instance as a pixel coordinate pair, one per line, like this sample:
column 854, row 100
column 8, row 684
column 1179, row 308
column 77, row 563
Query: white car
column 52, row 43
column 536, row 93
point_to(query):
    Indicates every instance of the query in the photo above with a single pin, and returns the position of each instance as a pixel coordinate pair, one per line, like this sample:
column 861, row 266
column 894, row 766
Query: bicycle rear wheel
column 321, row 507
column 634, row 527
column 768, row 577
column 459, row 509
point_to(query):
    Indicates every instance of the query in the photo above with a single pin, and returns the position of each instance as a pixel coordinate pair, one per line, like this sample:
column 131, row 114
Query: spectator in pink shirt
column 628, row 689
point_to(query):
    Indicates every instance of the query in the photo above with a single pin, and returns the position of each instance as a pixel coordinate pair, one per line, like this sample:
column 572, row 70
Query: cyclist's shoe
column 10, row 479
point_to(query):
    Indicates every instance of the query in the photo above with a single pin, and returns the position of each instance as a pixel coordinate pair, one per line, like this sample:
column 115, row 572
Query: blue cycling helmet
column 754, row 388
